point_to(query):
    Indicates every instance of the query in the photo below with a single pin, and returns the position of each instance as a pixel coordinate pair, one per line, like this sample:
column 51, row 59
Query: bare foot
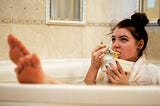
column 17, row 49
column 29, row 70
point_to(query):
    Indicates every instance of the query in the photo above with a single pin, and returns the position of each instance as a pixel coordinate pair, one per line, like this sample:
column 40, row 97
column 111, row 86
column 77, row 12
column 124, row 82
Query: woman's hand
column 96, row 58
column 97, row 55
column 116, row 74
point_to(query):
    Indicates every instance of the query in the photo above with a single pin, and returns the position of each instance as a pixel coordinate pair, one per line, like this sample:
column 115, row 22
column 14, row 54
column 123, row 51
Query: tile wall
column 26, row 19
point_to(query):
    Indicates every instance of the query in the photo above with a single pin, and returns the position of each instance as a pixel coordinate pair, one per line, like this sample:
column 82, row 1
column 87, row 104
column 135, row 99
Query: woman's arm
column 96, row 58
column 91, row 75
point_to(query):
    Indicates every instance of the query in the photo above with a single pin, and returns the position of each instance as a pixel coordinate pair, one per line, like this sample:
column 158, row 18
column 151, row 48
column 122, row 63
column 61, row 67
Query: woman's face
column 124, row 43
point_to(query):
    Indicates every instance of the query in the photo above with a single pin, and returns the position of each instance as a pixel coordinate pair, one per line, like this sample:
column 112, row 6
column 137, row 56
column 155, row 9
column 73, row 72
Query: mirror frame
column 140, row 9
column 50, row 21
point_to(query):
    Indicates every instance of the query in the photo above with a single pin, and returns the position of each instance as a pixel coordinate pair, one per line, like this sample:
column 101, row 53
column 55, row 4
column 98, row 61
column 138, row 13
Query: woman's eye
column 124, row 39
column 113, row 39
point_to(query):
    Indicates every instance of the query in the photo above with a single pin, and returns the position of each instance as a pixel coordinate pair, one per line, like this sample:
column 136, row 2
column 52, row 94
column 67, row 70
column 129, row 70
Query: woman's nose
column 115, row 44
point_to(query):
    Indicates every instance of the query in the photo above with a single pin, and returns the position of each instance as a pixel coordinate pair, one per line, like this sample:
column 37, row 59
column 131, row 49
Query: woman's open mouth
column 116, row 54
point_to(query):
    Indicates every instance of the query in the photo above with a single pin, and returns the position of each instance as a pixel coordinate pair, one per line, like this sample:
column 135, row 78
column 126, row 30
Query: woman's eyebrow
column 113, row 36
column 123, row 36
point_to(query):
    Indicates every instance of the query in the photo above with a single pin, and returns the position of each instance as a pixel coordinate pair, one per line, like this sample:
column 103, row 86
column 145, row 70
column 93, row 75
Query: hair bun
column 139, row 20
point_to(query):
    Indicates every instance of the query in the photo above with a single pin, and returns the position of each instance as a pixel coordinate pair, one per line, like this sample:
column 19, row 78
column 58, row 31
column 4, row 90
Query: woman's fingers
column 116, row 74
column 99, row 47
column 115, row 70
column 98, row 52
column 120, row 68
column 112, row 74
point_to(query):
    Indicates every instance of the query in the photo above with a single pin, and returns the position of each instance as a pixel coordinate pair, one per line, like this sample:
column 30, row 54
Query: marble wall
column 26, row 19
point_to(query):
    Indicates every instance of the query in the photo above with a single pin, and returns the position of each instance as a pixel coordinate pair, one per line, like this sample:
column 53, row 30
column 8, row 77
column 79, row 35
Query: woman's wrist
column 91, row 75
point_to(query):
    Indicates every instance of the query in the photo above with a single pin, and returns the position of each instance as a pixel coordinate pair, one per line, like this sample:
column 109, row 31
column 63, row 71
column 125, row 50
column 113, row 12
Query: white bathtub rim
column 67, row 94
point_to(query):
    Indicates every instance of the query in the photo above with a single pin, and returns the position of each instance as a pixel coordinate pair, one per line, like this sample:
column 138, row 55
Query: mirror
column 152, row 10
column 65, row 12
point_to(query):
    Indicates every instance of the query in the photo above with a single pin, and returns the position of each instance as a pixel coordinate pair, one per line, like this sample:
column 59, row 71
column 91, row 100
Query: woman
column 129, row 38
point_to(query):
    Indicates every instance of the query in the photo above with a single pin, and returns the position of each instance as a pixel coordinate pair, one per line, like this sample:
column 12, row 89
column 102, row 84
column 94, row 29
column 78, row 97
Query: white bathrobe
column 144, row 72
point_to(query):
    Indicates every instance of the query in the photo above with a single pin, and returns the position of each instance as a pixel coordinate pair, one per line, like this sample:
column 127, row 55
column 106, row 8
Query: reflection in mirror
column 65, row 12
column 151, row 8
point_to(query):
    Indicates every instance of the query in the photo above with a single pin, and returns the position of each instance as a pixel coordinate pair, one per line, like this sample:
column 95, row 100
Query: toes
column 21, row 47
column 25, row 52
column 35, row 60
column 16, row 43
column 27, row 61
column 19, row 68
column 23, row 63
column 11, row 40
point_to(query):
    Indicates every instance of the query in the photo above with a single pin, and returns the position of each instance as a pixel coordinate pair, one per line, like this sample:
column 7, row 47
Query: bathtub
column 74, row 92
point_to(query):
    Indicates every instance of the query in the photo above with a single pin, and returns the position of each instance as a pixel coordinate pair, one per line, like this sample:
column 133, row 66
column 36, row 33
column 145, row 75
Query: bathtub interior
column 65, row 70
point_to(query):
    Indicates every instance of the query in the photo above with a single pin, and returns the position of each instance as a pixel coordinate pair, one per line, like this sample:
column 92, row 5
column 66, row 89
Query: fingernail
column 106, row 66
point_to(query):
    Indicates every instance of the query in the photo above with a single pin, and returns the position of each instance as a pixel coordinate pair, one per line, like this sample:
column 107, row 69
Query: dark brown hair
column 136, row 25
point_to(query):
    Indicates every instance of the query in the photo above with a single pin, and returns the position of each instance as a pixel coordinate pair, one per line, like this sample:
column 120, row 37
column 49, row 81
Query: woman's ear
column 140, row 44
